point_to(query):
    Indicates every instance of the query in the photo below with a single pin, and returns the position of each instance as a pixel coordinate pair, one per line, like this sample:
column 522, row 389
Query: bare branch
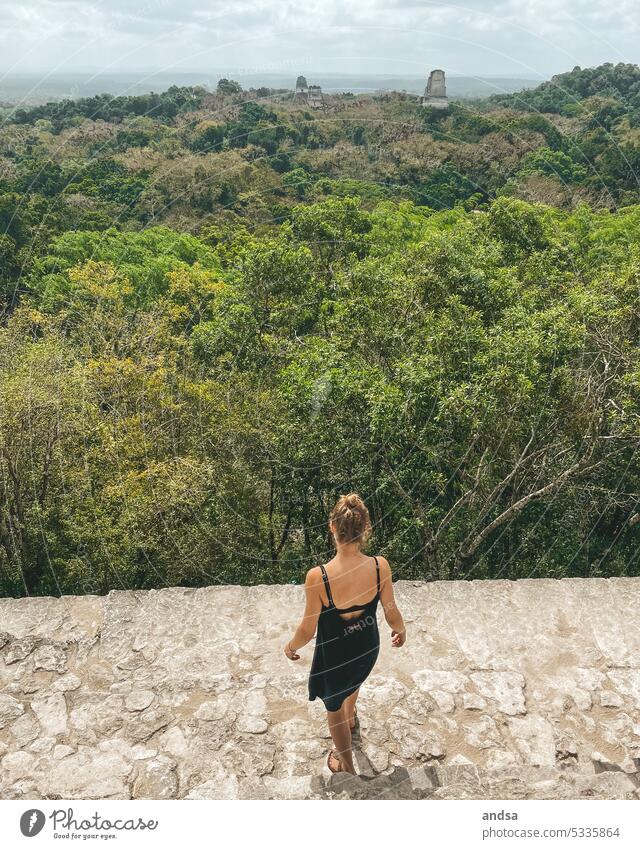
column 554, row 485
column 415, row 506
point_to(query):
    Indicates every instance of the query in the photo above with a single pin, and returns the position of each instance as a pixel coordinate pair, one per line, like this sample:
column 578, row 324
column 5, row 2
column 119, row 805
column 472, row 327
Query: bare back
column 354, row 584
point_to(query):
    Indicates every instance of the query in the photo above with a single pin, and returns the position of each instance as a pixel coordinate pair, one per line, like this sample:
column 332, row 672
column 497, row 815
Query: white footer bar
column 317, row 824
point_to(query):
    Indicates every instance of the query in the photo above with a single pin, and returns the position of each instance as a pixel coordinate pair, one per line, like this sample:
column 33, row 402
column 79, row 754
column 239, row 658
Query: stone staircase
column 457, row 779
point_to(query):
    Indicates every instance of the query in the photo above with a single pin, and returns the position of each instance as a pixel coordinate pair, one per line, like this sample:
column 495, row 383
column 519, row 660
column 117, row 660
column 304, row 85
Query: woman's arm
column 307, row 627
column 388, row 601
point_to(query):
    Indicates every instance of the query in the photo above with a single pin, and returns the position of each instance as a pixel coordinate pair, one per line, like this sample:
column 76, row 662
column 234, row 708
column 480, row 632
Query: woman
column 341, row 601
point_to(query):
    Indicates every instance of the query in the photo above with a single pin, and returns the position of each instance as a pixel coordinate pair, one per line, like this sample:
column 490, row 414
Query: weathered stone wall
column 436, row 86
column 435, row 94
column 503, row 690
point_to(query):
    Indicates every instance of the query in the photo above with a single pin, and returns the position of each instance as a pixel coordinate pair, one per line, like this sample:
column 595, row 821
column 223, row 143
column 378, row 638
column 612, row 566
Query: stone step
column 457, row 779
column 451, row 782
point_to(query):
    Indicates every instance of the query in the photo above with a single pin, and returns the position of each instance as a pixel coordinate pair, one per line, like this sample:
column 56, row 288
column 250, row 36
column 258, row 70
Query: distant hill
column 33, row 90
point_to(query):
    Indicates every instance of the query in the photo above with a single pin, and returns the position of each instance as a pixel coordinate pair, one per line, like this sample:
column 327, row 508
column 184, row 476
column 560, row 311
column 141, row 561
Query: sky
column 524, row 38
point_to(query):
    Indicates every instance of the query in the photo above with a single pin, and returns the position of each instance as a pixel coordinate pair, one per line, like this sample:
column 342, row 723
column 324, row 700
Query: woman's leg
column 350, row 705
column 341, row 736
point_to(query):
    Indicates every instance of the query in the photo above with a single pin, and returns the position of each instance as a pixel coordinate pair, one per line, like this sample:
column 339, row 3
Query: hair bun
column 350, row 519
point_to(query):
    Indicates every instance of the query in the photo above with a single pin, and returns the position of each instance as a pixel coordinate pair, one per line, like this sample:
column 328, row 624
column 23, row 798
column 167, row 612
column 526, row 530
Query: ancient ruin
column 504, row 690
column 309, row 95
column 435, row 94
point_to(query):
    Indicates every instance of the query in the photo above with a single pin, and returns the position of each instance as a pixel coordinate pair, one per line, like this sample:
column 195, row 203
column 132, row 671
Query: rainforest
column 219, row 310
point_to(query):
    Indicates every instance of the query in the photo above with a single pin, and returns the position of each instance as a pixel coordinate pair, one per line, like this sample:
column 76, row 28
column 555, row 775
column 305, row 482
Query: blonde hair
column 350, row 519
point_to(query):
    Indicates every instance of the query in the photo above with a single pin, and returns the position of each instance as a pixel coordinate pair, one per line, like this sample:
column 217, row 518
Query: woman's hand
column 398, row 638
column 290, row 653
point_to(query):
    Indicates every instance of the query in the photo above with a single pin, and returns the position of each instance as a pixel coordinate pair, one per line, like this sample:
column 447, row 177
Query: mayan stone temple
column 310, row 95
column 435, row 94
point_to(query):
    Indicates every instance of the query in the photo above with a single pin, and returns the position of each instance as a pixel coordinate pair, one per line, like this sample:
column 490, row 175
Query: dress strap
column 377, row 572
column 325, row 578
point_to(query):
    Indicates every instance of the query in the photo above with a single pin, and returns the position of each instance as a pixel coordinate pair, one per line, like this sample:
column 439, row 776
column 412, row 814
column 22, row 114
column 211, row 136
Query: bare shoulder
column 385, row 569
column 313, row 578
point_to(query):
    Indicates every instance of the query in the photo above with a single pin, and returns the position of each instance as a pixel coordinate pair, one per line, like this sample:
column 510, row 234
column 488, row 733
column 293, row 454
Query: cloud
column 393, row 36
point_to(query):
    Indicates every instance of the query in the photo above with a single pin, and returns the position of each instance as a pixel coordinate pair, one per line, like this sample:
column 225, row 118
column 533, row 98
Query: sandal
column 334, row 753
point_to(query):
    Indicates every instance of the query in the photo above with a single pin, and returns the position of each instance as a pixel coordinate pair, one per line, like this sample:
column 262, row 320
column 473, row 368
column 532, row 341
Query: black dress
column 346, row 649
